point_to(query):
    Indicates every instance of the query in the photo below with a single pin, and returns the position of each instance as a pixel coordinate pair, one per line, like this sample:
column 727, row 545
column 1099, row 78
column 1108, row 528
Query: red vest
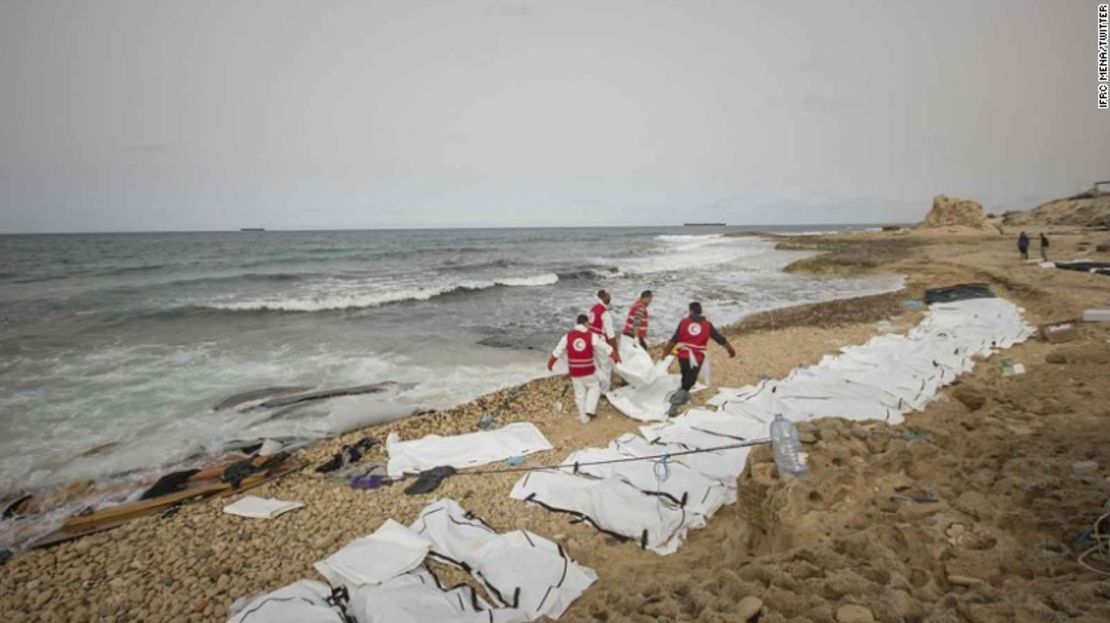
column 580, row 353
column 693, row 337
column 595, row 318
column 630, row 328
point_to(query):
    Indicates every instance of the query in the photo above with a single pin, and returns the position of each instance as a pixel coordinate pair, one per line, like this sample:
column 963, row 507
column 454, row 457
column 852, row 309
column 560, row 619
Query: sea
column 114, row 348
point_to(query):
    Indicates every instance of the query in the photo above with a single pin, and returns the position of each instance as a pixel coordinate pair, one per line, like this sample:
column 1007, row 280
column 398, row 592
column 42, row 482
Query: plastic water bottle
column 787, row 446
column 1007, row 366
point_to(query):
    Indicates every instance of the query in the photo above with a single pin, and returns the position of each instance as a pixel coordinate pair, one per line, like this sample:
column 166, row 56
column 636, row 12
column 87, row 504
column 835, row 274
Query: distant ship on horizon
column 252, row 229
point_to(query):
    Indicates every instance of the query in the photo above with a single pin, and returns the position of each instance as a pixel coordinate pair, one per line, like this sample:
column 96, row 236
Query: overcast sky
column 153, row 115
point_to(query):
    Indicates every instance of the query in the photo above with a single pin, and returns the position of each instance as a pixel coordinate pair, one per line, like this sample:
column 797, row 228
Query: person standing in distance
column 1023, row 245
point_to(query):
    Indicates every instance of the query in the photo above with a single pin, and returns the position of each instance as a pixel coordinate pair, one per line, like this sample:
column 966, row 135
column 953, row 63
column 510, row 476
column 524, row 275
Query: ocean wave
column 546, row 279
column 687, row 253
column 455, row 265
column 244, row 277
column 338, row 301
column 591, row 272
column 687, row 238
column 815, row 232
column 350, row 254
column 127, row 270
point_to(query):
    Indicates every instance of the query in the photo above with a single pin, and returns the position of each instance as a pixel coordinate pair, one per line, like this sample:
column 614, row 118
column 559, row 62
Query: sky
column 301, row 114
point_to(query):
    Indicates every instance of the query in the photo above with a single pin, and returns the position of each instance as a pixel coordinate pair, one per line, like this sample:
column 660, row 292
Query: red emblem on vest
column 580, row 353
column 693, row 337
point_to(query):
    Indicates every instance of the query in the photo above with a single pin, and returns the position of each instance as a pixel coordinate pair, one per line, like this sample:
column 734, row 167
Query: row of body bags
column 890, row 375
column 692, row 471
column 694, row 462
column 383, row 577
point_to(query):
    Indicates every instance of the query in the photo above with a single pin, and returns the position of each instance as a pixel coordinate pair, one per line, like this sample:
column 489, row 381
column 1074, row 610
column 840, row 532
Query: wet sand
column 970, row 511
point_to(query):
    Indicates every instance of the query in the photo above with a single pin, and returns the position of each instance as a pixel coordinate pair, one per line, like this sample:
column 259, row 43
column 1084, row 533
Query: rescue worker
column 636, row 325
column 601, row 324
column 581, row 345
column 691, row 337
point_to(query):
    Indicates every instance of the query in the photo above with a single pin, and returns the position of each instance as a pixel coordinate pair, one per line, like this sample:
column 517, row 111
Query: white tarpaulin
column 260, row 508
column 636, row 366
column 888, row 376
column 417, row 597
column 304, row 601
column 724, row 466
column 467, row 450
column 528, row 575
column 390, row 551
column 685, row 486
column 649, row 402
column 522, row 570
column 612, row 506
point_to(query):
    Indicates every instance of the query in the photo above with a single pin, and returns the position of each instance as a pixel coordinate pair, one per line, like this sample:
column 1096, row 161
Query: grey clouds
column 153, row 115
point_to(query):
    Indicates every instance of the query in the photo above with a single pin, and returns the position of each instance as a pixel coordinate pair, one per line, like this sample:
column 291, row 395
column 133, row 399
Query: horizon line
column 248, row 229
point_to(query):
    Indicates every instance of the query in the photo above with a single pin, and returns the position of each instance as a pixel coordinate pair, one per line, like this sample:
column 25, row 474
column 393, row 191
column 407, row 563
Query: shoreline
column 59, row 491
column 192, row 565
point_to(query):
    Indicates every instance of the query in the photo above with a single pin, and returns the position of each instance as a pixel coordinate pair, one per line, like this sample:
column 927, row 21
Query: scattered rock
column 971, row 397
column 1084, row 467
column 975, row 504
column 851, row 613
column 963, row 580
column 1079, row 354
column 954, row 212
column 748, row 607
column 1103, row 247
column 1087, row 209
column 905, row 605
column 916, row 511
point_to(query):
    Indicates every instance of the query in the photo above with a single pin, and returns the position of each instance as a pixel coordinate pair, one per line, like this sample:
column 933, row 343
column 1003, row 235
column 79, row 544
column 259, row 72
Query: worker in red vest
column 581, row 345
column 636, row 325
column 601, row 324
column 691, row 338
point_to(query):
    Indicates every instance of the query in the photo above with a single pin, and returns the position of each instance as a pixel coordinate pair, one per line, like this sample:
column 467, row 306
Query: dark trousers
column 690, row 369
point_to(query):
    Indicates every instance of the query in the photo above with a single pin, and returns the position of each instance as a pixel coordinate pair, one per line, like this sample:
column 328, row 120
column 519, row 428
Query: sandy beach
column 973, row 510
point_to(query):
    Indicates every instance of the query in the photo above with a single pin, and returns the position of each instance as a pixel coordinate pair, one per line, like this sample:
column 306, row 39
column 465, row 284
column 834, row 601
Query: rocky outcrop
column 952, row 212
column 1089, row 209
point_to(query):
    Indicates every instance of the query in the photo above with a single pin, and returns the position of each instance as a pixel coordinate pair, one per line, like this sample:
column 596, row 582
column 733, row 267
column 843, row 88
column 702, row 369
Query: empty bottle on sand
column 787, row 446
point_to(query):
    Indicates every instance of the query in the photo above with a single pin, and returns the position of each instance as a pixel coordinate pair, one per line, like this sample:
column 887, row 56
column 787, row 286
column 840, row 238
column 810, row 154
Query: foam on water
column 120, row 358
column 330, row 295
column 689, row 252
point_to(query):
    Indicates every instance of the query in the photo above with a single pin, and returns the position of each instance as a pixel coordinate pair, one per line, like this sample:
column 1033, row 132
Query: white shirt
column 607, row 322
column 600, row 346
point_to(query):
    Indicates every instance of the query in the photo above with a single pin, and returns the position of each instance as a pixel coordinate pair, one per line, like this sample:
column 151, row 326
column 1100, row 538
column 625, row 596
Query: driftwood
column 285, row 401
column 115, row 516
column 258, row 394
